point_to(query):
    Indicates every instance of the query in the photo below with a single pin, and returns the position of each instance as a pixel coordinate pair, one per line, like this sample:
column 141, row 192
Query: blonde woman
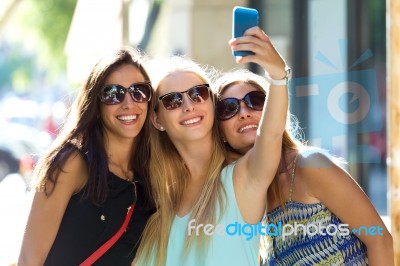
column 198, row 192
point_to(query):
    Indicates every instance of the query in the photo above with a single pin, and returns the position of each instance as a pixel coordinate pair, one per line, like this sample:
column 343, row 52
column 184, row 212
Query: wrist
column 280, row 82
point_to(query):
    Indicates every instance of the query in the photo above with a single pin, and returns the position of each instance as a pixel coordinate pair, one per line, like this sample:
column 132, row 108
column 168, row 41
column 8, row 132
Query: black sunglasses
column 229, row 107
column 115, row 94
column 197, row 94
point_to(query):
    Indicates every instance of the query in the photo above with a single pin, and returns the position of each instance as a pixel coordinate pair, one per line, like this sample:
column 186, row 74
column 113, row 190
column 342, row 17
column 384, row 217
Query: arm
column 47, row 212
column 343, row 196
column 255, row 171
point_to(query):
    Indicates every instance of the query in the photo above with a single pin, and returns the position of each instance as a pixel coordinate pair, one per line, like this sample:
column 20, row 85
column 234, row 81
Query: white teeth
column 247, row 127
column 127, row 117
column 191, row 121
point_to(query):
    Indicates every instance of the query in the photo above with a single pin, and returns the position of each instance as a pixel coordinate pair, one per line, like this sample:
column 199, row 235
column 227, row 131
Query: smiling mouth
column 191, row 121
column 247, row 128
column 126, row 118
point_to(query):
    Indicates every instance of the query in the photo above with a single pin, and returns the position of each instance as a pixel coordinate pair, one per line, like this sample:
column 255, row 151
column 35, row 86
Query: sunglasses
column 229, row 107
column 197, row 94
column 115, row 94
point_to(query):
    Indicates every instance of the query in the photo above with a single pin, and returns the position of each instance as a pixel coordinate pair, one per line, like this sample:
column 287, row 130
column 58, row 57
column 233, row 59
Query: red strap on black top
column 107, row 245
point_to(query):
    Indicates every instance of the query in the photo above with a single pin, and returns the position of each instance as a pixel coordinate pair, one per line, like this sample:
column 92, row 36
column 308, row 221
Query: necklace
column 127, row 174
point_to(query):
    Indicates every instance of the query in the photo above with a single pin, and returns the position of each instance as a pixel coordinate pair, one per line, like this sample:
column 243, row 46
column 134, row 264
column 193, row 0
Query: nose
column 187, row 104
column 128, row 102
column 244, row 111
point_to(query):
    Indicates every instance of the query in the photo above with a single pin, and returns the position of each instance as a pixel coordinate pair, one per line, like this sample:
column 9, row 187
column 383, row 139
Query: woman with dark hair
column 96, row 170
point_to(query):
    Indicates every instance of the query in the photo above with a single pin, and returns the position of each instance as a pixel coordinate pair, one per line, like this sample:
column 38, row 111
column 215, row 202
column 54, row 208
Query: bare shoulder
column 73, row 174
column 74, row 162
column 318, row 169
column 314, row 158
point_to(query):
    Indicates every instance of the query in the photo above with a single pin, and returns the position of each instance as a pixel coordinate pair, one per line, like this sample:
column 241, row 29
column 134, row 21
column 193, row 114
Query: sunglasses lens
column 227, row 108
column 140, row 92
column 112, row 94
column 255, row 100
column 199, row 94
column 172, row 101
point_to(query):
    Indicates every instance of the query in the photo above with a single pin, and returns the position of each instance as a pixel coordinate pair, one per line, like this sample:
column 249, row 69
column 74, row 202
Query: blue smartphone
column 243, row 18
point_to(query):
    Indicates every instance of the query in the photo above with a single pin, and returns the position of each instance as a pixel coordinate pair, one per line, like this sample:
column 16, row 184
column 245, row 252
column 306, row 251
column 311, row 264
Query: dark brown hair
column 83, row 132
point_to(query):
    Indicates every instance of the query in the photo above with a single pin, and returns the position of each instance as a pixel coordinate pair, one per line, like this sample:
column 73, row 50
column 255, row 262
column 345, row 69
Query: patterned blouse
column 331, row 247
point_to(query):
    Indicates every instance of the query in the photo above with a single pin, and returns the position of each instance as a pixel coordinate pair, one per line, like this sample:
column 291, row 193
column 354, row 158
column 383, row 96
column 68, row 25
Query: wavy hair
column 169, row 175
column 289, row 143
column 83, row 131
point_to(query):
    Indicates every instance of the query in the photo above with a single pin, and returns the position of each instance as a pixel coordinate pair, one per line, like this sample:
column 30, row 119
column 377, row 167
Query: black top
column 85, row 226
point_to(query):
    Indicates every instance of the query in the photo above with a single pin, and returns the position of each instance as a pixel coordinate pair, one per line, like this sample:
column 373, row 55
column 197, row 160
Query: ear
column 154, row 120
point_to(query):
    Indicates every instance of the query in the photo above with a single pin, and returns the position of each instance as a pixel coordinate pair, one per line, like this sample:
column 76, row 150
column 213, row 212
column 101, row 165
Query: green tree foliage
column 46, row 23
column 32, row 43
column 16, row 68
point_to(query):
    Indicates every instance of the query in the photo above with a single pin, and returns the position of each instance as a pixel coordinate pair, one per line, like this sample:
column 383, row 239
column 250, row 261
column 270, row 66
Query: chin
column 243, row 147
column 249, row 141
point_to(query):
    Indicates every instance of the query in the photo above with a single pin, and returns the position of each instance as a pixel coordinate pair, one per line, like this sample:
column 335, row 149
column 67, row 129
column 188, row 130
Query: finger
column 269, row 59
column 258, row 48
column 250, row 40
column 246, row 59
column 254, row 33
column 257, row 32
column 239, row 59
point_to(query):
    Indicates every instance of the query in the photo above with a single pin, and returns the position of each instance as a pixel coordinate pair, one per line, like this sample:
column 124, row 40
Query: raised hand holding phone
column 264, row 54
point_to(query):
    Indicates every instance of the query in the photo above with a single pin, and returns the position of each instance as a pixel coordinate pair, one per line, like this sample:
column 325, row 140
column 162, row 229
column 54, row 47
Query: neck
column 197, row 156
column 119, row 154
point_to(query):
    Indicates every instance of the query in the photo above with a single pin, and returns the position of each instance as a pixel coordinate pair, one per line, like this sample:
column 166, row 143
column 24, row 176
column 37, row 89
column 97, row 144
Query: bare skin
column 252, row 175
column 317, row 179
column 47, row 211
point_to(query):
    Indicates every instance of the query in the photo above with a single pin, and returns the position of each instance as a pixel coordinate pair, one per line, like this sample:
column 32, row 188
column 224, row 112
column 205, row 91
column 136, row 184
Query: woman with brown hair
column 309, row 190
column 96, row 169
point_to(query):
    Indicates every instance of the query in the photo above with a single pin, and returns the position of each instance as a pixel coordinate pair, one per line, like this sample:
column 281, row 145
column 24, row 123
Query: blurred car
column 20, row 147
column 8, row 163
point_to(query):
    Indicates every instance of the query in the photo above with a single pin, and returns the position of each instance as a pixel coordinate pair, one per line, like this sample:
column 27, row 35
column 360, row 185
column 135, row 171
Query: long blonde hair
column 169, row 176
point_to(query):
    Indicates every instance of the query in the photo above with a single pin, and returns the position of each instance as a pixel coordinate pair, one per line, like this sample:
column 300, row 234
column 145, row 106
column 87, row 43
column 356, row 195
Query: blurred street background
column 337, row 50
